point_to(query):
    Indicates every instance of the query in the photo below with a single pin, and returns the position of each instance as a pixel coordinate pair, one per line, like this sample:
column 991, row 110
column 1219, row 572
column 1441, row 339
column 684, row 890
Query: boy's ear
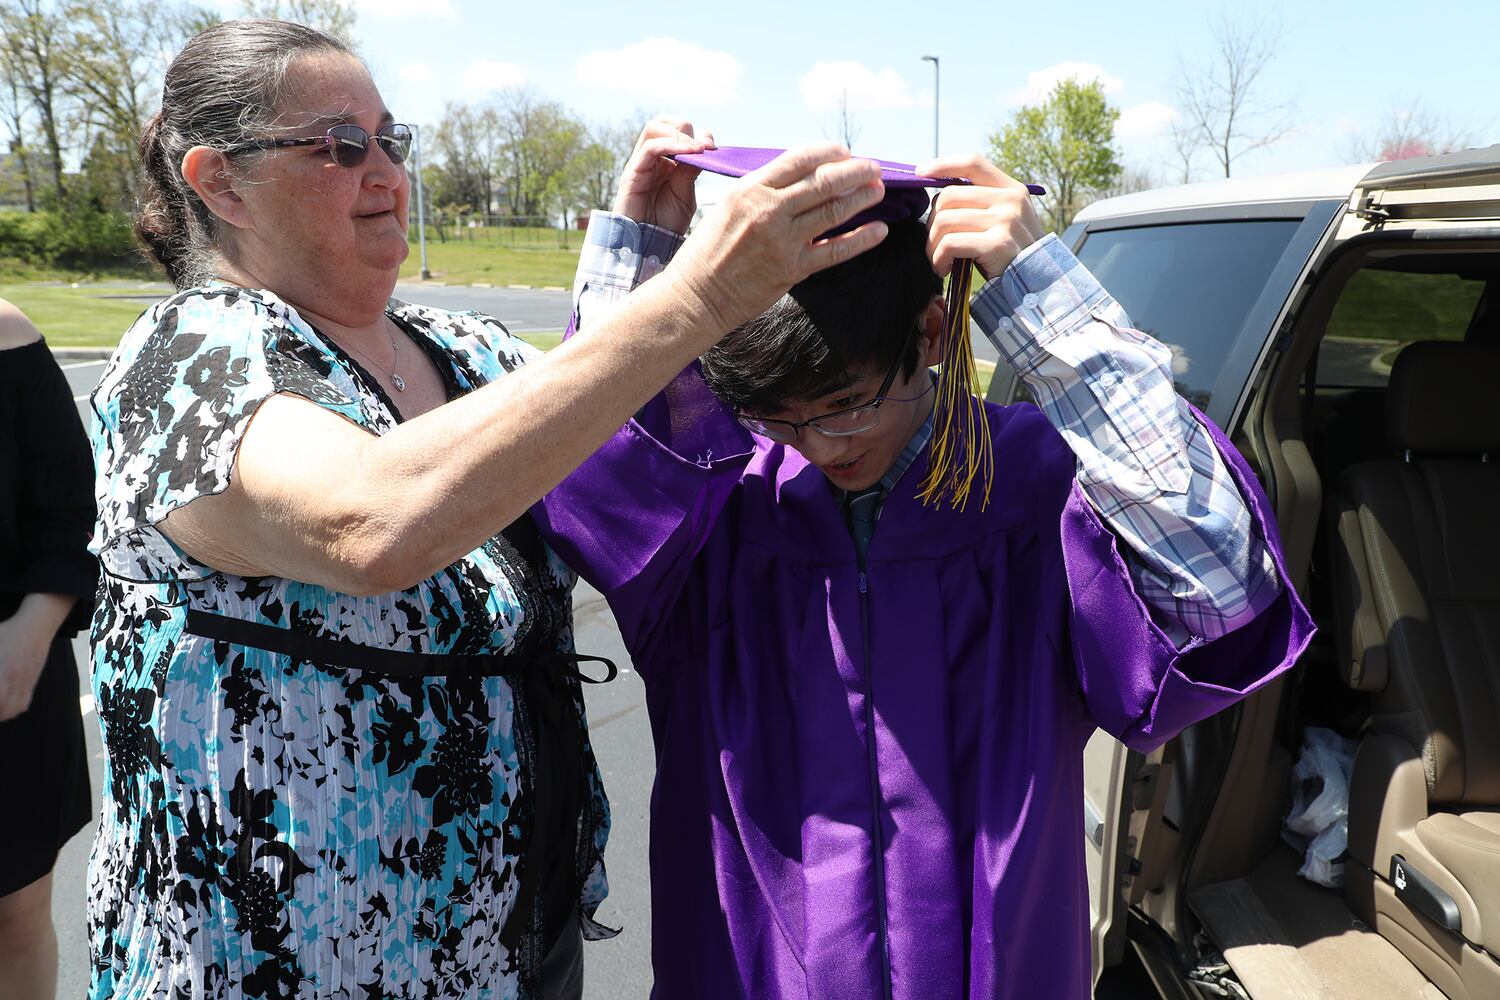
column 933, row 322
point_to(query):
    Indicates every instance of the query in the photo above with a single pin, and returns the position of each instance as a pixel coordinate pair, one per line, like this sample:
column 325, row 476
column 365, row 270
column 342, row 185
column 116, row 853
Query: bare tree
column 1406, row 132
column 1221, row 100
column 847, row 132
column 1187, row 140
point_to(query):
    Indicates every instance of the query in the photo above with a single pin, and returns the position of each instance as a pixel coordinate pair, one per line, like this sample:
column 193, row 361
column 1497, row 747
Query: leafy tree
column 540, row 138
column 333, row 16
column 113, row 64
column 590, row 178
column 14, row 109
column 467, row 147
column 1066, row 144
column 34, row 33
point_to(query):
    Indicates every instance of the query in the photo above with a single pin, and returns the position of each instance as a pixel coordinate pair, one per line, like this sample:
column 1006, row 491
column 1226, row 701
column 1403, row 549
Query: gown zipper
column 876, row 829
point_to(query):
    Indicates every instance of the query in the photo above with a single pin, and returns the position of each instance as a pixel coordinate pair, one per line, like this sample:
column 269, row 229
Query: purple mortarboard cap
column 962, row 458
column 905, row 190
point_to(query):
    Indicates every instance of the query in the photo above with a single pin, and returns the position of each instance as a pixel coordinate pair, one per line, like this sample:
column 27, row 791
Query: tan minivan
column 1344, row 327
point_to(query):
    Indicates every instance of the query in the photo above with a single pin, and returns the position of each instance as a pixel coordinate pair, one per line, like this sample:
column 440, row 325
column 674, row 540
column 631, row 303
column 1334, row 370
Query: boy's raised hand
column 989, row 222
column 657, row 190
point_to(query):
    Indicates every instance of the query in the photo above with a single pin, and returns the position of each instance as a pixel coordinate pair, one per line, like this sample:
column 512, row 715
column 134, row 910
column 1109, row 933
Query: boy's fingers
column 972, row 167
column 962, row 220
column 956, row 246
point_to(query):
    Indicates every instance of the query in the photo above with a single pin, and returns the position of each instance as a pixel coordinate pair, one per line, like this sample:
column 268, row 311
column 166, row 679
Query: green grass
column 1392, row 305
column 461, row 263
column 85, row 317
column 521, row 237
column 546, row 341
column 79, row 317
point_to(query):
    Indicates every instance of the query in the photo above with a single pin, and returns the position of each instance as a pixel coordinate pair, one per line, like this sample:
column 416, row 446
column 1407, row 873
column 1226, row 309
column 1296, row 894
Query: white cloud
column 483, row 75
column 1040, row 83
column 1346, row 125
column 418, row 72
column 1145, row 120
column 666, row 69
column 403, row 8
column 827, row 83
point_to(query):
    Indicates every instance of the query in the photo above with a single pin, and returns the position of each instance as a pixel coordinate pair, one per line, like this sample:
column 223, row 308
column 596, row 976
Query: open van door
column 1452, row 188
column 1209, row 282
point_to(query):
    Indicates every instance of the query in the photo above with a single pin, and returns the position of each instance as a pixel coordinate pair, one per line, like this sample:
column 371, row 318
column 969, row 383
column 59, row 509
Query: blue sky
column 771, row 73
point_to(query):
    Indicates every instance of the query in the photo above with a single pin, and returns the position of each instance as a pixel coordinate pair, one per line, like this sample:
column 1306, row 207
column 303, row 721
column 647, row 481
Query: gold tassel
column 961, row 451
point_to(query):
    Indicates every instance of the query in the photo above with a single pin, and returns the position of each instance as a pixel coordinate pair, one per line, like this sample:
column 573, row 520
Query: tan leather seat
column 1417, row 600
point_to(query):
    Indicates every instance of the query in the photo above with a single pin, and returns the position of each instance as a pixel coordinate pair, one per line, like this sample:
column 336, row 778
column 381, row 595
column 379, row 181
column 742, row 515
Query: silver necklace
column 396, row 380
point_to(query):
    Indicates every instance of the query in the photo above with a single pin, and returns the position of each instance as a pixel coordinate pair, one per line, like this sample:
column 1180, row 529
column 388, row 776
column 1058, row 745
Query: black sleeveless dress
column 46, row 517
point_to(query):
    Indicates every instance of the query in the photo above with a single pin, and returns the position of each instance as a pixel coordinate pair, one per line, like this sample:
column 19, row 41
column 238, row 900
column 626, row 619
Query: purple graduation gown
column 862, row 779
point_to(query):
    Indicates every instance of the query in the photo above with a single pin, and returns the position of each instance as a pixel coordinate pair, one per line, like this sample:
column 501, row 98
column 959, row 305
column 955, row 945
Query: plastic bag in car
column 1318, row 824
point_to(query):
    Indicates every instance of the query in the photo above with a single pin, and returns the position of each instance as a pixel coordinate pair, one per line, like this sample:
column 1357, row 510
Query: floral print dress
column 298, row 801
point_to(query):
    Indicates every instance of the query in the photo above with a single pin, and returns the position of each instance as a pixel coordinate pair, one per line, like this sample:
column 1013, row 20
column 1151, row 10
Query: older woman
column 333, row 660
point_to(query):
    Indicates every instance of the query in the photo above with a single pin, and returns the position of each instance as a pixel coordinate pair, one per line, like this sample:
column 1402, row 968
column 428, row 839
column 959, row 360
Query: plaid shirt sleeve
column 618, row 254
column 1147, row 466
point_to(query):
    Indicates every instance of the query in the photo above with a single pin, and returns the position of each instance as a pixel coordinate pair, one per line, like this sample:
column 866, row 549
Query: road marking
column 79, row 399
column 597, row 724
column 86, row 705
column 80, row 364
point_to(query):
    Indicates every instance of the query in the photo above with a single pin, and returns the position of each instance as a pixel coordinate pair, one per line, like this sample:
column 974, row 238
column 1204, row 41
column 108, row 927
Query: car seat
column 1416, row 574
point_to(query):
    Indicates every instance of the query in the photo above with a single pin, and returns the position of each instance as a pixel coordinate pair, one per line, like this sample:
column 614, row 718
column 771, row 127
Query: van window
column 1380, row 312
column 1191, row 286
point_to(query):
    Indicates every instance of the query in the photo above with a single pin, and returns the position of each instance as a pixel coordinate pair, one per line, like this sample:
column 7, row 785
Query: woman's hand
column 25, row 638
column 764, row 236
column 989, row 223
column 654, row 189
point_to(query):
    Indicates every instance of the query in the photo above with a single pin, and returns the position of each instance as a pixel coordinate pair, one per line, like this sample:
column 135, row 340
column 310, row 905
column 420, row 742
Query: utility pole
column 416, row 150
column 936, row 81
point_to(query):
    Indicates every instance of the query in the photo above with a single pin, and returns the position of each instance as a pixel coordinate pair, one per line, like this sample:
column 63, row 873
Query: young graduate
column 869, row 708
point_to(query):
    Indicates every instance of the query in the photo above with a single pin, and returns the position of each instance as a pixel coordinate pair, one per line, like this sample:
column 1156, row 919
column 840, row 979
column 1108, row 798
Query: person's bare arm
column 317, row 499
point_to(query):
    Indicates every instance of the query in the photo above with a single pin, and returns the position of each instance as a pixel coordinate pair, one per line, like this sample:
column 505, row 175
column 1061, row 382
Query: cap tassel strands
column 961, row 452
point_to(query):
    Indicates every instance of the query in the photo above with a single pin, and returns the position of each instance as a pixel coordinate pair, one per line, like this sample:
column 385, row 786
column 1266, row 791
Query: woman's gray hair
column 221, row 91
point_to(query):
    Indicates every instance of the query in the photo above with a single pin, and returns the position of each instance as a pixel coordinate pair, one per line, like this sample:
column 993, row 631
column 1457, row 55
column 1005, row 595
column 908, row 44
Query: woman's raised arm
column 317, row 499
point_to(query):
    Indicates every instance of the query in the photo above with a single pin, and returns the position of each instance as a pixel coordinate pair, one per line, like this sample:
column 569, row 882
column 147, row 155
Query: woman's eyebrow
column 328, row 118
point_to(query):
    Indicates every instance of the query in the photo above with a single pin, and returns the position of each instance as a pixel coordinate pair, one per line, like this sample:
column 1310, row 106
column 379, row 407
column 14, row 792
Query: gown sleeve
column 633, row 517
column 54, row 480
column 1137, row 683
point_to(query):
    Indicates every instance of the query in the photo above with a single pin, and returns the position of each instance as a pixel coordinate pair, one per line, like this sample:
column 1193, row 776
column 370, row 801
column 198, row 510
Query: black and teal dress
column 311, row 793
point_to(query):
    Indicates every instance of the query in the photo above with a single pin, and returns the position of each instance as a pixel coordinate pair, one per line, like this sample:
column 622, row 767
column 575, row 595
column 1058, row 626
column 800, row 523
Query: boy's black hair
column 861, row 314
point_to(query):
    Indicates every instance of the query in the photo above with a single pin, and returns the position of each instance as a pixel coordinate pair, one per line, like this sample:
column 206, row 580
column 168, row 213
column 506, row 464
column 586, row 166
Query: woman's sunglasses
column 347, row 144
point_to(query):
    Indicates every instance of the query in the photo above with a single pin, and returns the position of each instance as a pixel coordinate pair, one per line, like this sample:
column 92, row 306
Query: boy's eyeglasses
column 346, row 143
column 839, row 423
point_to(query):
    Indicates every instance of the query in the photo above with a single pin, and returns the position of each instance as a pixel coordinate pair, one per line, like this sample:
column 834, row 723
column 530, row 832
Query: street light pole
column 935, row 83
column 416, row 159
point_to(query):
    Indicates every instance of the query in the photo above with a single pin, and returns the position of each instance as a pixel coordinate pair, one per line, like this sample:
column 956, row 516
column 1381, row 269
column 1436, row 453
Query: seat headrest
column 1444, row 398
